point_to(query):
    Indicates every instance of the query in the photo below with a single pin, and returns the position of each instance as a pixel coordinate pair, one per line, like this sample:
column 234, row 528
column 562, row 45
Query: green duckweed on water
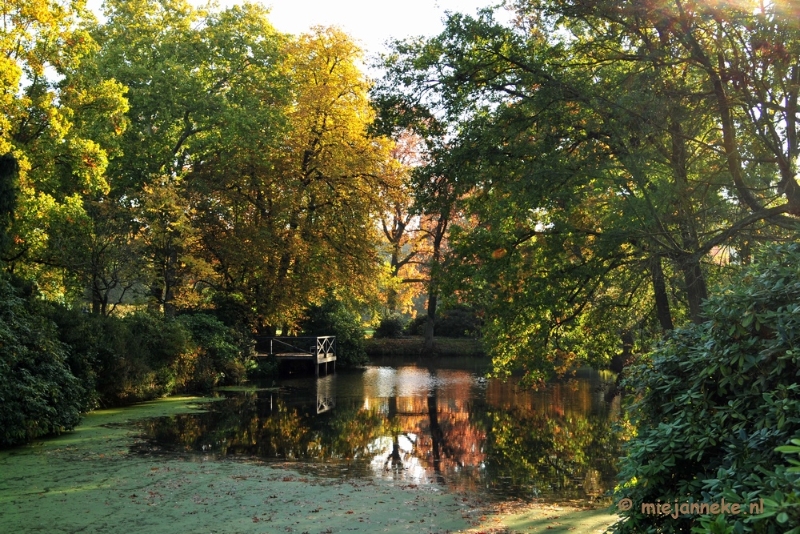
column 89, row 481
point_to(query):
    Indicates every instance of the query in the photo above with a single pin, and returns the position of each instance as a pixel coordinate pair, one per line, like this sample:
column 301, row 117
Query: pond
column 441, row 427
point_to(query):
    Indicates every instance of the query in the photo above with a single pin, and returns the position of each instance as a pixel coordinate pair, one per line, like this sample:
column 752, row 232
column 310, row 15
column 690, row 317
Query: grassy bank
column 544, row 518
column 413, row 345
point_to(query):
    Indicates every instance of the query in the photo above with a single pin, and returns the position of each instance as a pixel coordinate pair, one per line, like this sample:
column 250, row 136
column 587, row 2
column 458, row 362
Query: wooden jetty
column 319, row 350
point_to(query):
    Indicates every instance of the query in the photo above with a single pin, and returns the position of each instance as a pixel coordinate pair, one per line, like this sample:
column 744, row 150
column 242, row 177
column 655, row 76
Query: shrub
column 716, row 402
column 333, row 318
column 390, row 327
column 38, row 393
column 141, row 356
column 458, row 321
column 221, row 352
column 417, row 325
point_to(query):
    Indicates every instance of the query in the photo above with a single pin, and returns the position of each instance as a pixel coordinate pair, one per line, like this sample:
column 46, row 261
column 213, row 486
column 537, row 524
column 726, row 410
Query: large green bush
column 82, row 334
column 456, row 321
column 333, row 318
column 142, row 356
column 221, row 352
column 391, row 327
column 714, row 402
column 38, row 393
column 122, row 359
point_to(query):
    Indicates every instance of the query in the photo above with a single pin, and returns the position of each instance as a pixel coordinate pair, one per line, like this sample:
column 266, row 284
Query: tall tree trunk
column 431, row 322
column 660, row 292
column 688, row 260
column 433, row 285
column 391, row 294
column 695, row 282
column 170, row 282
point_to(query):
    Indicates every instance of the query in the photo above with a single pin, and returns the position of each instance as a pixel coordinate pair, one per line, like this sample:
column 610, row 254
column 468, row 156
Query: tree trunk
column 431, row 322
column 433, row 286
column 660, row 292
column 695, row 282
column 689, row 260
column 391, row 294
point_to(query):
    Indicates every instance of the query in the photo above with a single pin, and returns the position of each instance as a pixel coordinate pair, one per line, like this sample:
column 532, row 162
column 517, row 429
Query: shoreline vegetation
column 93, row 472
column 414, row 346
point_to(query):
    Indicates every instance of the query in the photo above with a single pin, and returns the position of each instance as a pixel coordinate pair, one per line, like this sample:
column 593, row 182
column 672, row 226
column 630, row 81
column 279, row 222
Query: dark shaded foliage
column 143, row 356
column 38, row 393
column 333, row 318
column 222, row 352
column 232, row 310
column 715, row 401
column 457, row 321
column 9, row 171
column 391, row 327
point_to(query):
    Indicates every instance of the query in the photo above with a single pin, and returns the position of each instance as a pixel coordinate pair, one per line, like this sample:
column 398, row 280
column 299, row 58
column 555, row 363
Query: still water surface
column 416, row 425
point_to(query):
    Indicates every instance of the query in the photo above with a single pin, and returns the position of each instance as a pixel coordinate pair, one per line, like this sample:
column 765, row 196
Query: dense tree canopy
column 618, row 158
column 177, row 157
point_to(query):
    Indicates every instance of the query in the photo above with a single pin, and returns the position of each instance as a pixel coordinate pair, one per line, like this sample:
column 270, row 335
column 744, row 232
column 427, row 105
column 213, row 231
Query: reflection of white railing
column 326, row 394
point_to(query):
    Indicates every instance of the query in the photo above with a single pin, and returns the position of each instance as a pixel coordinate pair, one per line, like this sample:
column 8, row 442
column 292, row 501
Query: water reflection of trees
column 561, row 441
column 557, row 443
column 541, row 455
column 245, row 425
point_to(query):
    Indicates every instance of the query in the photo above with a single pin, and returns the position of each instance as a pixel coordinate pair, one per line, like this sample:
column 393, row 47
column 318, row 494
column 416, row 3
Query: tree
column 202, row 87
column 439, row 206
column 61, row 122
column 588, row 160
column 401, row 227
column 436, row 190
column 284, row 223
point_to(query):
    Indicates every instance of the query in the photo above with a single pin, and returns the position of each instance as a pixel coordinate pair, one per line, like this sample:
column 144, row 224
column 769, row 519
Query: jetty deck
column 319, row 350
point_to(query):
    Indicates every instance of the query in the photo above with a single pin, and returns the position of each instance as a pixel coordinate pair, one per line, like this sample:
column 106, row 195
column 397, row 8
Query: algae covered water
column 389, row 449
column 89, row 481
column 414, row 426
